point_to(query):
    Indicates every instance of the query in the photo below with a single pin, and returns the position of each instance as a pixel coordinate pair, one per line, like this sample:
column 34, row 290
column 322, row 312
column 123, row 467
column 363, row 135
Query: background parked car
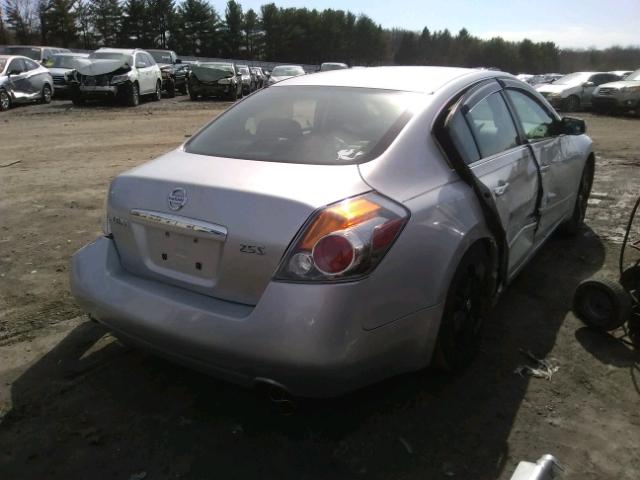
column 573, row 92
column 23, row 80
column 117, row 73
column 259, row 76
column 622, row 73
column 174, row 72
column 39, row 54
column 215, row 79
column 62, row 67
column 248, row 80
column 282, row 72
column 326, row 66
column 618, row 96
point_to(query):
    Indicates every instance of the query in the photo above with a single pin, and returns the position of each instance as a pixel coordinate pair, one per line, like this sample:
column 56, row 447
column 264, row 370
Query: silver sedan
column 337, row 228
column 23, row 80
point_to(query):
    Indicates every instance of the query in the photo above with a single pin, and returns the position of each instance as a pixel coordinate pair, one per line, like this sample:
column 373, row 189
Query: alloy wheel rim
column 4, row 100
column 466, row 318
column 47, row 94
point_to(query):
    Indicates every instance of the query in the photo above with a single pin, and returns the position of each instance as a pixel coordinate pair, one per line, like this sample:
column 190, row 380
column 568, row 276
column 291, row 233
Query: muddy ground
column 74, row 403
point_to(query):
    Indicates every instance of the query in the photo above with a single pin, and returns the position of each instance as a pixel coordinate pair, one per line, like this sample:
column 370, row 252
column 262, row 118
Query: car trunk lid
column 218, row 226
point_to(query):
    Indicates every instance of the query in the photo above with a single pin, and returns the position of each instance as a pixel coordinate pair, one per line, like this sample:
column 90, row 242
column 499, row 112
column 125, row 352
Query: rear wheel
column 466, row 306
column 576, row 222
column 602, row 304
column 5, row 101
column 572, row 104
column 192, row 95
column 46, row 94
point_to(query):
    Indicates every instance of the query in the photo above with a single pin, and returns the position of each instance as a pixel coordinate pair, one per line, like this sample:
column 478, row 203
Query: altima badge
column 177, row 198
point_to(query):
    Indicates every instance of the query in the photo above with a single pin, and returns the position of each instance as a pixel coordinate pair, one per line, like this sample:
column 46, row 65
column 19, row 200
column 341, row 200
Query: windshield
column 162, row 57
column 112, row 56
column 62, row 61
column 332, row 66
column 572, row 79
column 307, row 124
column 287, row 71
column 225, row 67
column 635, row 76
column 243, row 70
column 32, row 53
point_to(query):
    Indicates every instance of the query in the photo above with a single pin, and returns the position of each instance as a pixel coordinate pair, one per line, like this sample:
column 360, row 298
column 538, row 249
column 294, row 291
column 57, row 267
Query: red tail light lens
column 344, row 241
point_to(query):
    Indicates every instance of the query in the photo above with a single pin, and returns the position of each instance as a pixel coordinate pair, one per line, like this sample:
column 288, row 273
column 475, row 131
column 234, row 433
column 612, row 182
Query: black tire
column 466, row 306
column 47, row 94
column 574, row 225
column 5, row 101
column 192, row 95
column 602, row 304
column 157, row 96
column 184, row 88
column 630, row 279
column 634, row 330
column 572, row 104
column 233, row 96
column 133, row 95
column 171, row 89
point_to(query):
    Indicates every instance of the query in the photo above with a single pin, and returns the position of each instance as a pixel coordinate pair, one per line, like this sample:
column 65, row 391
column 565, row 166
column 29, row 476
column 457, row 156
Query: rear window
column 308, row 124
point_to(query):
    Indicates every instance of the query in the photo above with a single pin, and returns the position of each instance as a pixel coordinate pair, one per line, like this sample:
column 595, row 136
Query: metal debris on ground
column 542, row 369
column 406, row 445
column 9, row 164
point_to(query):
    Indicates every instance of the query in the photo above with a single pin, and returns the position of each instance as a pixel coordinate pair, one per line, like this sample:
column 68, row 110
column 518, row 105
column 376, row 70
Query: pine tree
column 136, row 29
column 106, row 17
column 233, row 30
column 58, row 22
column 197, row 29
column 85, row 24
column 251, row 27
column 161, row 19
column 20, row 20
column 4, row 35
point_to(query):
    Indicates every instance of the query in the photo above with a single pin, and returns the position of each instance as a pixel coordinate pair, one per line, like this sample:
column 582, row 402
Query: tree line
column 295, row 35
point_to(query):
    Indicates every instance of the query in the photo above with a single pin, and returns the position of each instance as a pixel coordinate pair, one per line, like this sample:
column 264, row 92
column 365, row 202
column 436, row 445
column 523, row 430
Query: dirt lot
column 74, row 403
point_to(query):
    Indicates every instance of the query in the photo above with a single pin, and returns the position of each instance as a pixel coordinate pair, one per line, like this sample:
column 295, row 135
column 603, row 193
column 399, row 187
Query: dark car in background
column 62, row 67
column 174, row 72
column 328, row 66
column 37, row 53
column 215, row 79
column 22, row 80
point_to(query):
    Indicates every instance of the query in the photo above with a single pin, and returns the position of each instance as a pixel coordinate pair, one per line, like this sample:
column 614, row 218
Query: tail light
column 343, row 241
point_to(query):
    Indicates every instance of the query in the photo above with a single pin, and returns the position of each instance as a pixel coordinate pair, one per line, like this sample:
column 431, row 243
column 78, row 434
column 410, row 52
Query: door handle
column 501, row 188
column 544, row 168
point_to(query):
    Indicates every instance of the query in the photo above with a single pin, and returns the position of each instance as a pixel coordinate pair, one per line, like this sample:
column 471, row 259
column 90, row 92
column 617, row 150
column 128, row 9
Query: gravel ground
column 74, row 403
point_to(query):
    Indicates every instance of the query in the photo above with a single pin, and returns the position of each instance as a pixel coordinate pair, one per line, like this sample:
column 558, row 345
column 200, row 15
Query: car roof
column 127, row 51
column 414, row 79
column 71, row 54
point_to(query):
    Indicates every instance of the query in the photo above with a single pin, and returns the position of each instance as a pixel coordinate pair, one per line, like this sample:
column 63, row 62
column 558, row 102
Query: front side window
column 30, row 65
column 492, row 126
column 536, row 122
column 308, row 124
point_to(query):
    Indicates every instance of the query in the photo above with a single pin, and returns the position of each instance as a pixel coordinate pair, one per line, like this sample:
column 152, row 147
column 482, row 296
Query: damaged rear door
column 485, row 148
column 18, row 80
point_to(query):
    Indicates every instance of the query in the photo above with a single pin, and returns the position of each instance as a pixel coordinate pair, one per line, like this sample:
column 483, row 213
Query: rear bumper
column 307, row 338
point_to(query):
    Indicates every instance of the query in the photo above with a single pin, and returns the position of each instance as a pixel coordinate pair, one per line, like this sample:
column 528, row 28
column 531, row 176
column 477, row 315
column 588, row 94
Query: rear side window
column 30, row 65
column 16, row 65
column 492, row 126
column 536, row 122
column 308, row 124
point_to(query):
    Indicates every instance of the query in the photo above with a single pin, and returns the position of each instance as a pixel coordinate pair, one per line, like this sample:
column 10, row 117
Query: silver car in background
column 61, row 66
column 22, row 80
column 282, row 72
column 337, row 229
column 39, row 54
column 618, row 96
column 573, row 92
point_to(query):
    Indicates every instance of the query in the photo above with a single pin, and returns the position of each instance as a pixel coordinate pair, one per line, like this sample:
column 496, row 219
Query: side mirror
column 572, row 126
column 141, row 65
column 178, row 60
column 588, row 84
column 14, row 72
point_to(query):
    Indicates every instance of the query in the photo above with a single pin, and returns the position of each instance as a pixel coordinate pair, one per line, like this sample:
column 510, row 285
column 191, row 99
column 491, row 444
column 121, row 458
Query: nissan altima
column 337, row 228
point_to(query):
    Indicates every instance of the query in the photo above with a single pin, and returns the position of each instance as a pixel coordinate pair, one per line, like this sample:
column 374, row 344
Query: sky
column 568, row 23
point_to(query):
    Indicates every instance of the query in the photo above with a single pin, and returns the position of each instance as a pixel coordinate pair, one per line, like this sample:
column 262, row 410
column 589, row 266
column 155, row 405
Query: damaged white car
column 117, row 74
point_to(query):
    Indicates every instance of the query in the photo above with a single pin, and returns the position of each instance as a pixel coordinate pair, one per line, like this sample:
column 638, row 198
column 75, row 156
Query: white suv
column 117, row 73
